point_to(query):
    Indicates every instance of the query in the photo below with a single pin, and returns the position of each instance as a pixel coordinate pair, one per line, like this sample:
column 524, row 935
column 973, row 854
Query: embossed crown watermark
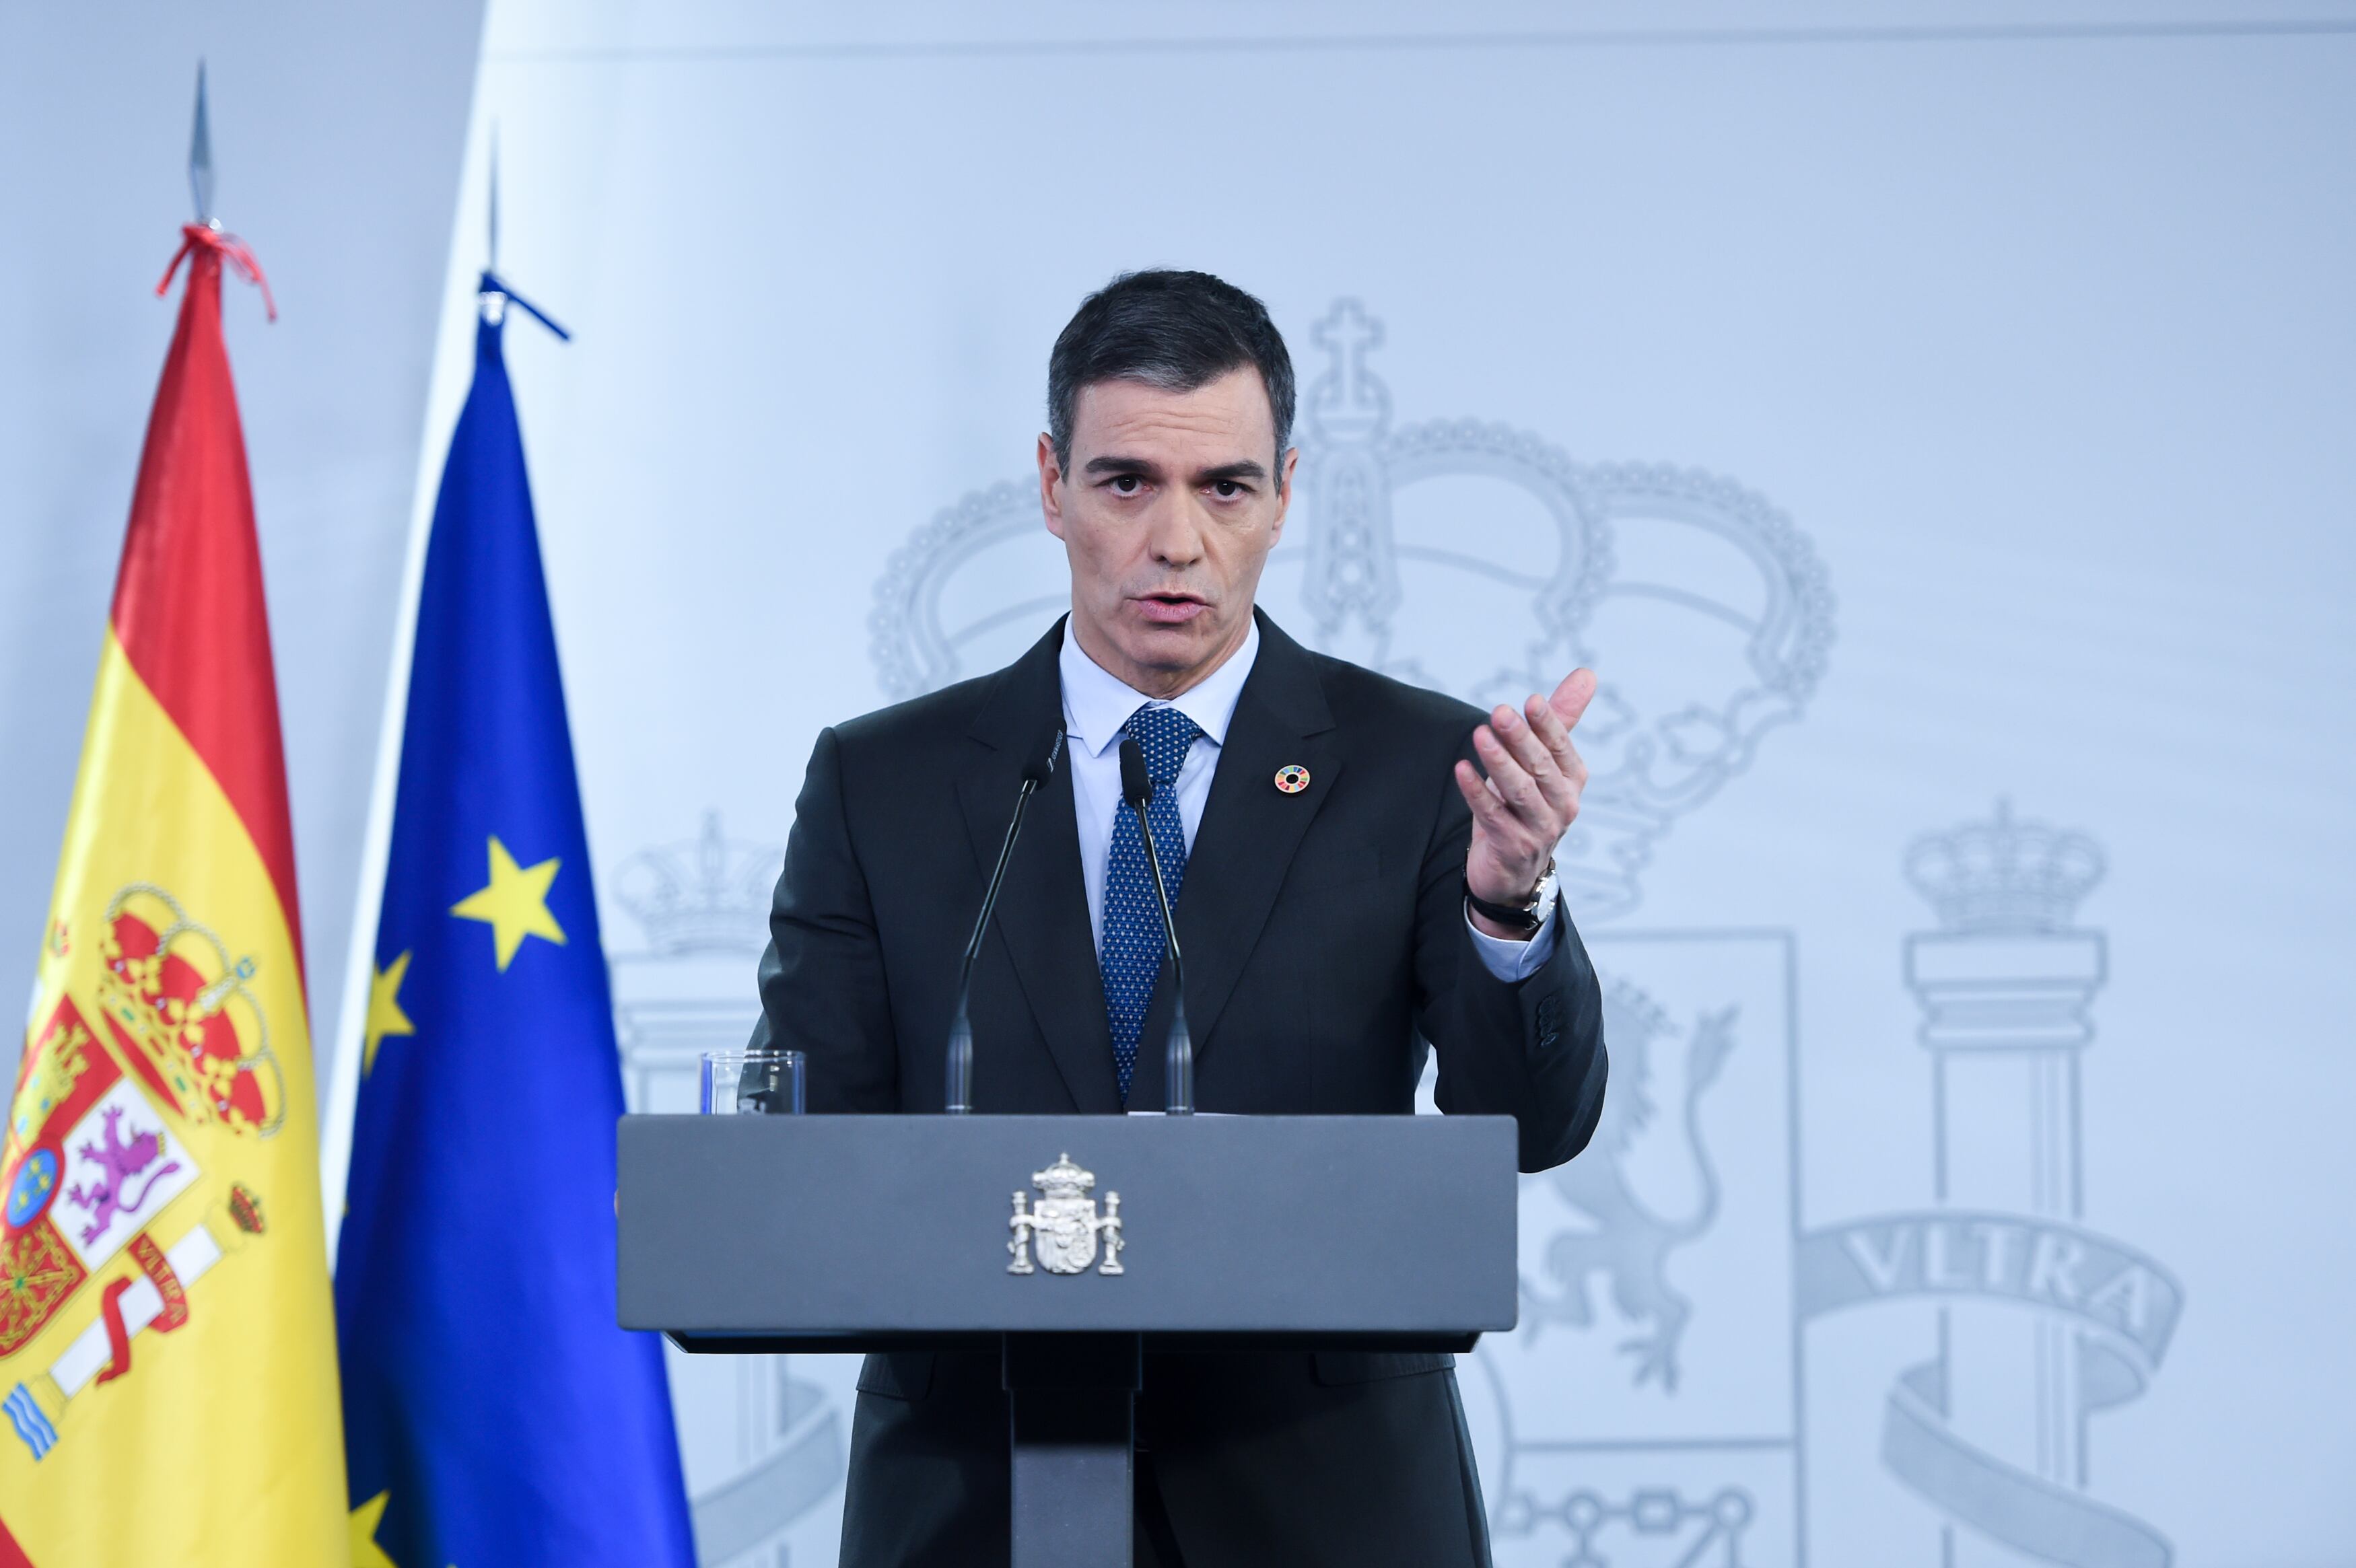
column 2004, row 874
column 705, row 894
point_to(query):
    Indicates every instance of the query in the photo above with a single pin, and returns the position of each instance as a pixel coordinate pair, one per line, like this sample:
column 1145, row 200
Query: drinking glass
column 752, row 1083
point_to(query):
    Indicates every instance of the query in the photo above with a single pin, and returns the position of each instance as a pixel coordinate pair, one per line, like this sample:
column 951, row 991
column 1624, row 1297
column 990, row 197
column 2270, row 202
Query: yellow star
column 514, row 904
column 385, row 1014
column 366, row 1552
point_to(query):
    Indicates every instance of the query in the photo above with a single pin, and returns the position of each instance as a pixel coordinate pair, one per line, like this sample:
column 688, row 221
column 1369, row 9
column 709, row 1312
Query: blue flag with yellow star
column 494, row 1415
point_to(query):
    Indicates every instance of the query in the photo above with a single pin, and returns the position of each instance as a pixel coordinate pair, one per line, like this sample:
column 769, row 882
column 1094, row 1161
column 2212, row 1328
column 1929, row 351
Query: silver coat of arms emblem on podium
column 1064, row 1224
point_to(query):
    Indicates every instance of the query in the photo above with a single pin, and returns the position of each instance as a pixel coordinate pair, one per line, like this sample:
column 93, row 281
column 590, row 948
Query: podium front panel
column 862, row 1227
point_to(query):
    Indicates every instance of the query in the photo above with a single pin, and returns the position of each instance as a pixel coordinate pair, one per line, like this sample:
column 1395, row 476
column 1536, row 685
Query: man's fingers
column 1570, row 698
column 1487, row 809
column 1513, row 780
column 1550, row 728
column 1530, row 748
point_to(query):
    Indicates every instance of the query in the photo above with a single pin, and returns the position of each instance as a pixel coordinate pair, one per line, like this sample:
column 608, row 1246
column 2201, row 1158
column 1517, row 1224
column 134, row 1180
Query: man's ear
column 1051, row 485
column 1284, row 487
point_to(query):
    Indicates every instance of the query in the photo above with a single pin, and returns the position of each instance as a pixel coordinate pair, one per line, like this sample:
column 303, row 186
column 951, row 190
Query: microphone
column 1178, row 1064
column 1036, row 771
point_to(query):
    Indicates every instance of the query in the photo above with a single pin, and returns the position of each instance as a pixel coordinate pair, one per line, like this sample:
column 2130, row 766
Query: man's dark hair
column 1172, row 330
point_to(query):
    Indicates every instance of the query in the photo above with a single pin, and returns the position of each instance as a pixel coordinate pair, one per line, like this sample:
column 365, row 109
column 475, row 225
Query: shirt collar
column 1096, row 703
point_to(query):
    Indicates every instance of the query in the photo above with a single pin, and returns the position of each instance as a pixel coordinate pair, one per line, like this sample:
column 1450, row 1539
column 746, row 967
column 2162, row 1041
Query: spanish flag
column 166, row 1342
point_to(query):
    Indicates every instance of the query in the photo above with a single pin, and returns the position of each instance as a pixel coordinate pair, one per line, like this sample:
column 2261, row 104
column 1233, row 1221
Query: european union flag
column 494, row 1415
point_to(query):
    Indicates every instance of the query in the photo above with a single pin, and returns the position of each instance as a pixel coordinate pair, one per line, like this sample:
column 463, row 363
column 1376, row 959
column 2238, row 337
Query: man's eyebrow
column 1121, row 465
column 1228, row 472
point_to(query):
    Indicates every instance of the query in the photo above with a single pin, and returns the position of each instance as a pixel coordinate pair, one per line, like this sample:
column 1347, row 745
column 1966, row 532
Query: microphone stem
column 997, row 879
column 960, row 1062
column 1178, row 1065
column 959, row 1067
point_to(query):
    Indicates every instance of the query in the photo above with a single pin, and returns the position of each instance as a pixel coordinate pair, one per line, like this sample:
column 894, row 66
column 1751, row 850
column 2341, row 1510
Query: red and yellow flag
column 166, row 1336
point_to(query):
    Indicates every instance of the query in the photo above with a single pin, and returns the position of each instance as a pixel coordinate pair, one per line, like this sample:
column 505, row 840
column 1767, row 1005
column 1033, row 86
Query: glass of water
column 752, row 1083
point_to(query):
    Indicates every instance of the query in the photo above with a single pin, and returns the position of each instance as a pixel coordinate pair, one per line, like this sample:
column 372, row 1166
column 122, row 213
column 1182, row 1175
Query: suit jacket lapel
column 1249, row 829
column 1043, row 914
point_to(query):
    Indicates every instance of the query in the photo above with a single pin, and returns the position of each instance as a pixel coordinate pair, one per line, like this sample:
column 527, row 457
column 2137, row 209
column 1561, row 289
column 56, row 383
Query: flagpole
column 447, row 393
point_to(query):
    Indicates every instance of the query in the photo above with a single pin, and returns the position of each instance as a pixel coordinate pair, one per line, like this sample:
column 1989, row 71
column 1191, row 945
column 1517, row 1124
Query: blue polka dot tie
column 1131, row 957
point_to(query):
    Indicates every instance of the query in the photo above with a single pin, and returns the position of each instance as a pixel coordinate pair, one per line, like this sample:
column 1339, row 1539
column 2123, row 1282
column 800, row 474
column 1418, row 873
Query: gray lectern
column 1074, row 1244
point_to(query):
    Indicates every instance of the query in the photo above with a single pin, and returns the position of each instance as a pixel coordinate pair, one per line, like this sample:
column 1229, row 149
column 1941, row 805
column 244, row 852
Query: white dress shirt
column 1096, row 704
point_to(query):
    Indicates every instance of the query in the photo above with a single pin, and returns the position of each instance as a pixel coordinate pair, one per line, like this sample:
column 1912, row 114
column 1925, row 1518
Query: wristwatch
column 1521, row 918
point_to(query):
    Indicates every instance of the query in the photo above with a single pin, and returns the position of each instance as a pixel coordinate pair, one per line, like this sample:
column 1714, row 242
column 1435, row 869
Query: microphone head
column 1136, row 784
column 1042, row 765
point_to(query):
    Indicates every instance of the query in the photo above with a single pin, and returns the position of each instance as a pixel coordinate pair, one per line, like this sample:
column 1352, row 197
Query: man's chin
column 1171, row 648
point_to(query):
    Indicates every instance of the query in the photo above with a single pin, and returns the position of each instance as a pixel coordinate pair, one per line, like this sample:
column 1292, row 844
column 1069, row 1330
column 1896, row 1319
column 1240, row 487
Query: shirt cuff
column 1510, row 960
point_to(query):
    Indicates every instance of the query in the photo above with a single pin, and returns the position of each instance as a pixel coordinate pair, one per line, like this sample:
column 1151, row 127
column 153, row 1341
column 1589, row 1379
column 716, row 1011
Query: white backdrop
column 1998, row 383
column 1934, row 427
column 1998, row 377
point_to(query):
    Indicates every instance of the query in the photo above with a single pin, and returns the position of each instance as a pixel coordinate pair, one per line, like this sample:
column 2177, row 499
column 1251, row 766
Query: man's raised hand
column 1530, row 797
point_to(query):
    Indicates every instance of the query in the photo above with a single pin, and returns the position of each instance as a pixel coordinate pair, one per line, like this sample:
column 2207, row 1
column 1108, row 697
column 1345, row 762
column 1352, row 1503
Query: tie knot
column 1163, row 734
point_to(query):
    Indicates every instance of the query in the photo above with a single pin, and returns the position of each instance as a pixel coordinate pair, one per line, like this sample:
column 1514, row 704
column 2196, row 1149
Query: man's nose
column 1175, row 535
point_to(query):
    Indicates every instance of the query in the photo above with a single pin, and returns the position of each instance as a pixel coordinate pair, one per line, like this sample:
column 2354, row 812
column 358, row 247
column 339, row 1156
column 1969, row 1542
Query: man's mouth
column 1168, row 609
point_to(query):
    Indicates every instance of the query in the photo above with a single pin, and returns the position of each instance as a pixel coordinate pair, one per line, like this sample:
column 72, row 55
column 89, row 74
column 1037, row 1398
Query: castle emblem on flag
column 1064, row 1224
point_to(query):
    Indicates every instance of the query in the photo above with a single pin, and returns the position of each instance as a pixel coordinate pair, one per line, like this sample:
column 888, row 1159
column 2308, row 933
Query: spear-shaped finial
column 495, row 196
column 495, row 295
column 200, row 155
column 206, row 235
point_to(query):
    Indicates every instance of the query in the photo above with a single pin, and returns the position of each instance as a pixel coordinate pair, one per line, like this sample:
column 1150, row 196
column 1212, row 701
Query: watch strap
column 1525, row 918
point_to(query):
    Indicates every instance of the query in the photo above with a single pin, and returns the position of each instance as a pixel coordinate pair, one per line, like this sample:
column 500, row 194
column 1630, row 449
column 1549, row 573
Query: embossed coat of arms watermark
column 1686, row 1390
column 1064, row 1224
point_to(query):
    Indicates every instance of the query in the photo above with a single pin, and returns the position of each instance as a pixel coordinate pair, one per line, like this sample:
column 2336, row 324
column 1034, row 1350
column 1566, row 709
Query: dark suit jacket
column 1325, row 943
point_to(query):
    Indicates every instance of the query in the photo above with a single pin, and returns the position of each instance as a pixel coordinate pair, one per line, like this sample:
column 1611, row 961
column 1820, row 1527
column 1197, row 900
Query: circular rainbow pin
column 1293, row 778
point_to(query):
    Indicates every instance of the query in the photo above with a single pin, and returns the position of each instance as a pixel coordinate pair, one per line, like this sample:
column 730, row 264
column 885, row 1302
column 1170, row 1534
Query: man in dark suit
column 1348, row 885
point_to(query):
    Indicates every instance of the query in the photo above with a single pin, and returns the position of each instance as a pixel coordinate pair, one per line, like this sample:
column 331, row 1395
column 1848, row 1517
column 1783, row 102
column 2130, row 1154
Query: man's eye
column 1227, row 489
column 1126, row 484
